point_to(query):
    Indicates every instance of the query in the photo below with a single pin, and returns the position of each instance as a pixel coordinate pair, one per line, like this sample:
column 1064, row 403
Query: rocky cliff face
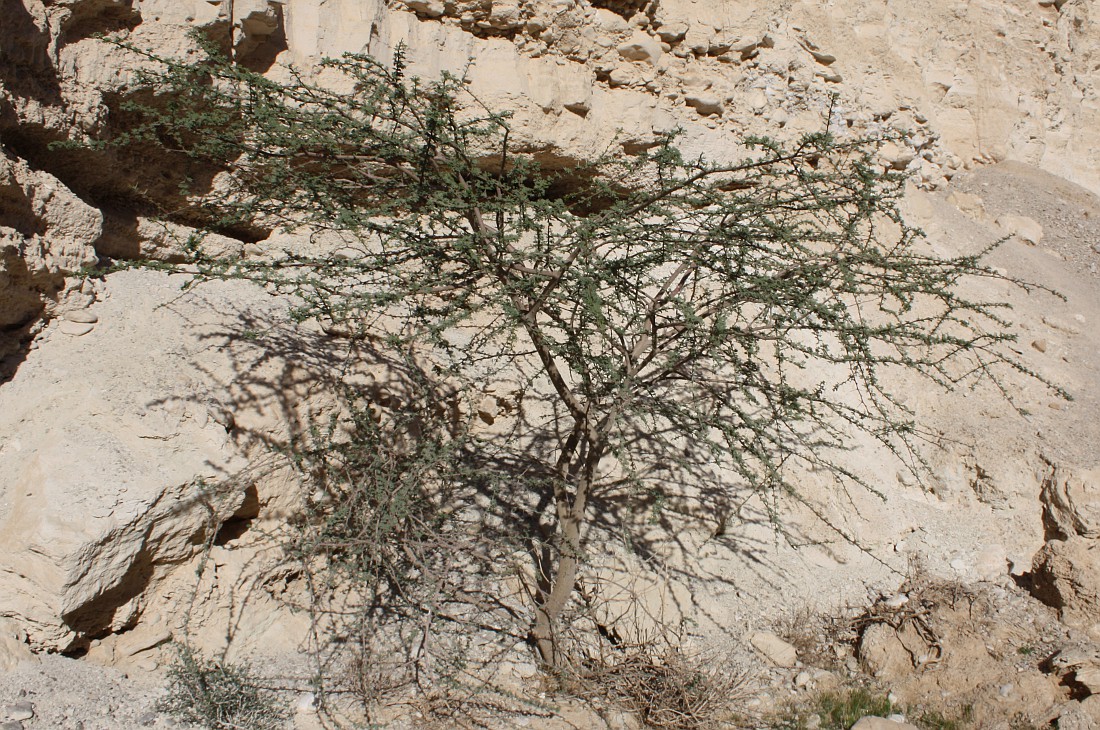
column 91, row 395
column 975, row 83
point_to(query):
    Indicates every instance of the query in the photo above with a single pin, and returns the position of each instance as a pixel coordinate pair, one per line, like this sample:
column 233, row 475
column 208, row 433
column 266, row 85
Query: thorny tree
column 736, row 314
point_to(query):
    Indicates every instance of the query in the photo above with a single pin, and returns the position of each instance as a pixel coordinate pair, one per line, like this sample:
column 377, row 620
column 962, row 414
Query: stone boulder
column 46, row 233
column 120, row 452
column 641, row 47
column 13, row 646
column 1066, row 575
column 1079, row 715
column 1071, row 503
column 890, row 653
column 776, row 650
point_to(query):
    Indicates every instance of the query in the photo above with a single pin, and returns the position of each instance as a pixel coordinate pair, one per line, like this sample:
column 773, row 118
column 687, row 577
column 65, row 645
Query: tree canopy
column 675, row 312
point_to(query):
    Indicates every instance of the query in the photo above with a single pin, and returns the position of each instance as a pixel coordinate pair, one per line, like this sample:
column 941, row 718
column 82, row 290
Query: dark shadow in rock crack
column 26, row 68
column 91, row 19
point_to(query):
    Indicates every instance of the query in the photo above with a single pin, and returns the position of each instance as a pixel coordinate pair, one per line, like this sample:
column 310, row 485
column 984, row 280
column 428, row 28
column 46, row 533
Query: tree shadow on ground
column 288, row 384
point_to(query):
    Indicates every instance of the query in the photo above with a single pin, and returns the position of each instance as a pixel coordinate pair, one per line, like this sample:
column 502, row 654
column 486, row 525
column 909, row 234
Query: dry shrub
column 664, row 687
column 826, row 639
column 920, row 604
column 820, row 638
column 218, row 695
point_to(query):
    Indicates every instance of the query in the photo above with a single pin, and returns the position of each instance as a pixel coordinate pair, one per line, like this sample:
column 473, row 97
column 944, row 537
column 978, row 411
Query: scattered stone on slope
column 871, row 722
column 704, row 102
column 774, row 649
column 75, row 329
column 970, row 204
column 1024, row 228
column 889, row 653
column 672, row 31
column 641, row 47
column 81, row 316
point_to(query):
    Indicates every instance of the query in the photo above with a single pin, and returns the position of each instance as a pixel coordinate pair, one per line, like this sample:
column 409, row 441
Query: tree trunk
column 571, row 516
column 554, row 602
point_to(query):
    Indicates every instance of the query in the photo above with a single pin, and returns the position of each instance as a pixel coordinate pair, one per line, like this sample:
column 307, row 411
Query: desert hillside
column 149, row 489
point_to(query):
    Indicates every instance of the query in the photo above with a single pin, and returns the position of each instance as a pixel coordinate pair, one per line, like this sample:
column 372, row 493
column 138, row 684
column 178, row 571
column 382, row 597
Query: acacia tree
column 738, row 314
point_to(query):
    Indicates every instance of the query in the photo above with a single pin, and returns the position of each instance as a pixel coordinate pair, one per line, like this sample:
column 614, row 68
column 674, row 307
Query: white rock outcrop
column 46, row 234
column 115, row 449
column 983, row 82
column 105, row 427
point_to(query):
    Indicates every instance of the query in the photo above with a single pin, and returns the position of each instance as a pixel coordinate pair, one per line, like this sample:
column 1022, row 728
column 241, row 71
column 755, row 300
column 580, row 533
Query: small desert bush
column 219, row 696
column 842, row 708
column 835, row 710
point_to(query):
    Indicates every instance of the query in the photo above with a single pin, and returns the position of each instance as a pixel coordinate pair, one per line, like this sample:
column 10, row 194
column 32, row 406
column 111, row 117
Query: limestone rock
column 1066, row 575
column 897, row 156
column 1071, row 502
column 81, row 316
column 970, row 204
column 147, row 238
column 774, row 649
column 1079, row 664
column 75, row 329
column 121, row 448
column 889, row 653
column 871, row 722
column 641, row 47
column 704, row 102
column 13, row 646
column 429, row 8
column 1082, row 715
column 611, row 22
column 672, row 32
column 18, row 712
column 1024, row 228
column 46, row 233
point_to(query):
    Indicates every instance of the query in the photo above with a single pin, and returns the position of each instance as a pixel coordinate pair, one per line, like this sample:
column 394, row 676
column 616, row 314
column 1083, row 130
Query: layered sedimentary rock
column 85, row 415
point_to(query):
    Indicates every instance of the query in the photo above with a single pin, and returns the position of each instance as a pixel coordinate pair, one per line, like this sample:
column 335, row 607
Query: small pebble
column 897, row 600
column 1040, row 345
column 19, row 711
column 11, row 725
column 306, row 702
